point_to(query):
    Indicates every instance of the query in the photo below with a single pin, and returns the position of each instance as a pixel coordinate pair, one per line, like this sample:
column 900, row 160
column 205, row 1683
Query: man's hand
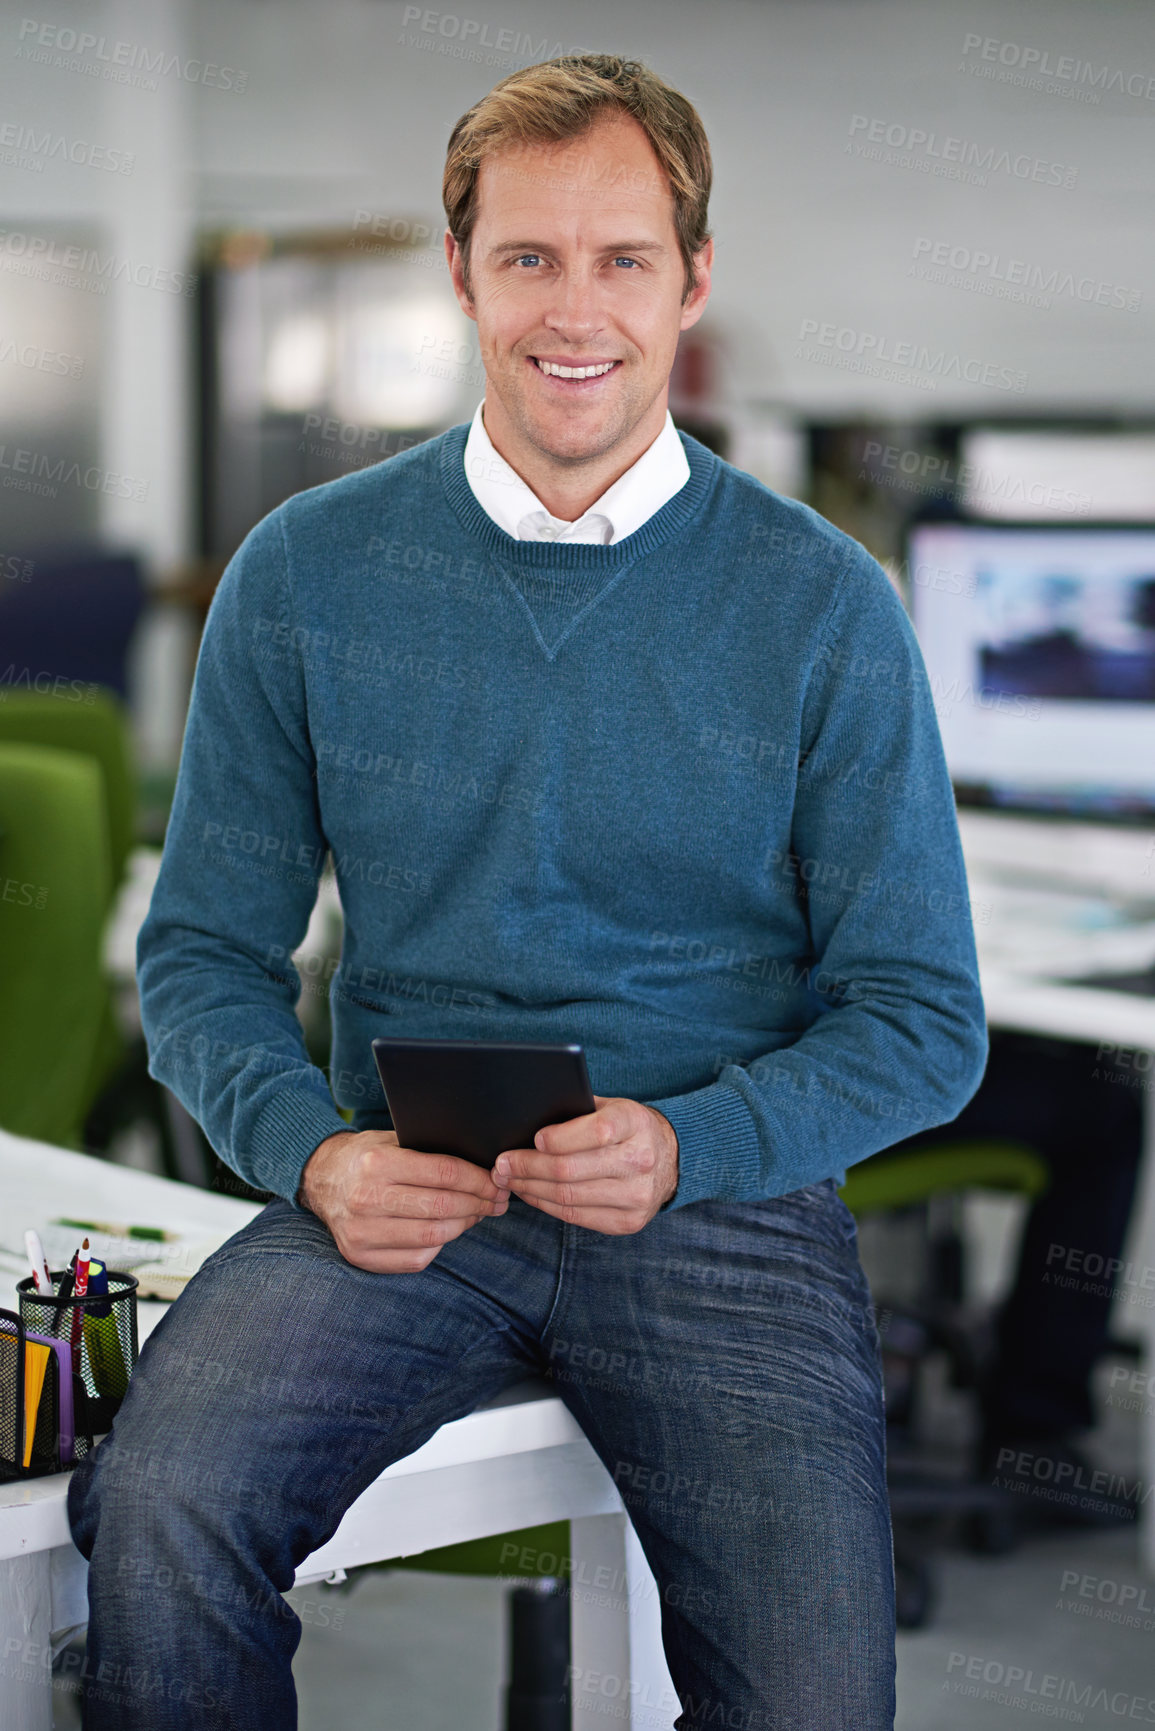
column 389, row 1208
column 609, row 1170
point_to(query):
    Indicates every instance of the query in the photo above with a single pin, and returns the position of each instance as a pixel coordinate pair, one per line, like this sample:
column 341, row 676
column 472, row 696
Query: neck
column 568, row 488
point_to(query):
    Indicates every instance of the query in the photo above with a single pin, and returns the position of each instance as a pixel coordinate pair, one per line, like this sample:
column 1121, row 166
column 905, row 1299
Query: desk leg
column 25, row 1643
column 656, row 1703
column 599, row 1622
column 618, row 1666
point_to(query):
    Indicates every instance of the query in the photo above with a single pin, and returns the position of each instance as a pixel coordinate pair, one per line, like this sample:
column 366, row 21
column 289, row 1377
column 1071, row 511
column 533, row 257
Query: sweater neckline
column 665, row 523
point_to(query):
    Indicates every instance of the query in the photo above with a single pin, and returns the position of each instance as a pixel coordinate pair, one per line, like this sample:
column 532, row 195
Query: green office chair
column 923, row 1179
column 97, row 727
column 55, row 874
column 945, row 1169
column 494, row 1556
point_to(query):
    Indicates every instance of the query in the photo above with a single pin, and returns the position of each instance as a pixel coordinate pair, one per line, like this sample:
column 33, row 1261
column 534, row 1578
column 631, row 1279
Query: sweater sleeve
column 238, row 879
column 899, row 1042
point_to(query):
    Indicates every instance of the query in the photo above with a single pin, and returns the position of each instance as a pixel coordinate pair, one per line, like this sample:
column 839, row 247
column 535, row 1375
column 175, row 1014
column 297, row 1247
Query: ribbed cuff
column 719, row 1155
column 293, row 1124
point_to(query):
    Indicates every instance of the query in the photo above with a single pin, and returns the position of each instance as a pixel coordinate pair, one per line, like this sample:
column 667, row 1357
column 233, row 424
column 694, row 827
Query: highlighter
column 105, row 1354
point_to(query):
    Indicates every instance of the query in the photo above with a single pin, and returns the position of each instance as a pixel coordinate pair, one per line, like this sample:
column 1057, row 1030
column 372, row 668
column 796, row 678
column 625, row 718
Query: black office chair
column 929, row 1184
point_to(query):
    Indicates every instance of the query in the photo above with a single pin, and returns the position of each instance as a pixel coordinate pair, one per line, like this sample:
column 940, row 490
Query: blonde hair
column 560, row 99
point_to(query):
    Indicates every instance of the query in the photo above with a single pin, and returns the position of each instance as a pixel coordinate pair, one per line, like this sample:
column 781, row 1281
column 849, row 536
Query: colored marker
column 65, row 1292
column 41, row 1278
column 79, row 1288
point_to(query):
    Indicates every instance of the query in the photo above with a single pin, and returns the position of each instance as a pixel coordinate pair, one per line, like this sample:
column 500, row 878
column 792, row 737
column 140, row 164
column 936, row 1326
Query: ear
column 695, row 305
column 454, row 258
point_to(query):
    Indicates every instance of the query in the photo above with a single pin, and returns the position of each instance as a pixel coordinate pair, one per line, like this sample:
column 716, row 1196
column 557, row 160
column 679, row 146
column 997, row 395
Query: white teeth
column 575, row 372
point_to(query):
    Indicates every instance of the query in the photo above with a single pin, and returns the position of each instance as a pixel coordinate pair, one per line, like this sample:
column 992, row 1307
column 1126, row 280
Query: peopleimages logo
column 989, row 273
column 1034, row 65
column 41, row 473
column 1042, row 1692
column 41, row 360
column 71, row 50
column 84, row 268
column 929, row 472
column 470, row 34
column 22, row 146
column 948, row 156
column 867, row 350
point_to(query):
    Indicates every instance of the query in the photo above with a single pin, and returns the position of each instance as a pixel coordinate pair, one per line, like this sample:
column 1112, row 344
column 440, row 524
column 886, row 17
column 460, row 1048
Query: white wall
column 144, row 222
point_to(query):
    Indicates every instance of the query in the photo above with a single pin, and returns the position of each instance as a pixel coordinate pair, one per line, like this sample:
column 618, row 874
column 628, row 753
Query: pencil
column 156, row 1234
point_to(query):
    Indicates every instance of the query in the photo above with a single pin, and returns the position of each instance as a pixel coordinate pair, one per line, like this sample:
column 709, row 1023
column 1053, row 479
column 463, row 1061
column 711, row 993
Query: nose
column 575, row 310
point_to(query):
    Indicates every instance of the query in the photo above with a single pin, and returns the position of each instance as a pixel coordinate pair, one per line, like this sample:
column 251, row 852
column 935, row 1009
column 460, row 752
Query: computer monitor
column 1040, row 645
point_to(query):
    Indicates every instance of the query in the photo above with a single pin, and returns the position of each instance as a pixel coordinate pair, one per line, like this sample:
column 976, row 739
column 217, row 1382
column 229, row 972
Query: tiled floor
column 998, row 1614
column 412, row 1653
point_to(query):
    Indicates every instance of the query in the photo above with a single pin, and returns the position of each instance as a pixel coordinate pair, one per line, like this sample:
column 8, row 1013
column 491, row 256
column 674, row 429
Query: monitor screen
column 1040, row 646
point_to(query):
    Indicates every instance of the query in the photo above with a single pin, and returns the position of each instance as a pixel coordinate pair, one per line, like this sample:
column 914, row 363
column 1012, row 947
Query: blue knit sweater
column 681, row 799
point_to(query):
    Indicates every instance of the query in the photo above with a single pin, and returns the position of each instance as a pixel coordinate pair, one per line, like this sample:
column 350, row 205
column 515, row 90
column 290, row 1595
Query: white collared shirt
column 660, row 472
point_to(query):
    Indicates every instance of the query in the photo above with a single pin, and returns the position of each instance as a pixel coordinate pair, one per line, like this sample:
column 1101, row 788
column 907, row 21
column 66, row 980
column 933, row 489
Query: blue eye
column 526, row 255
column 622, row 259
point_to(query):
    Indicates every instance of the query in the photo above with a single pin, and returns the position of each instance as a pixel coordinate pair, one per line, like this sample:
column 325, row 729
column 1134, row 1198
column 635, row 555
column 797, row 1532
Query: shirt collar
column 660, row 472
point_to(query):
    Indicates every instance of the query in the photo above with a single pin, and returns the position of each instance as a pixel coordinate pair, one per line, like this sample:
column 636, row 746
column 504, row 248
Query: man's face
column 574, row 261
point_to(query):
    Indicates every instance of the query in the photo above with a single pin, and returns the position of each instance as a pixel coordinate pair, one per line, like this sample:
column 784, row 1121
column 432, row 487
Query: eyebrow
column 515, row 246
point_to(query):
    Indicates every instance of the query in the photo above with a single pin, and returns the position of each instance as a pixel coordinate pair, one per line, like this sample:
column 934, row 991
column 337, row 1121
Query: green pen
column 156, row 1233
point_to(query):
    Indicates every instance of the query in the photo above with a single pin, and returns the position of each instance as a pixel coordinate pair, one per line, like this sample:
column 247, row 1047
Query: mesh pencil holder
column 102, row 1330
column 45, row 1455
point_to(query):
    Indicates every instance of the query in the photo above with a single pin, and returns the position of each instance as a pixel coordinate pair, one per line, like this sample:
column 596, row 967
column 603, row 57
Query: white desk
column 517, row 1462
column 1029, row 949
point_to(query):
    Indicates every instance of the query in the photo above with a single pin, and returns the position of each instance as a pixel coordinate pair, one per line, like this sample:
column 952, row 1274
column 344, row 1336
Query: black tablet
column 476, row 1098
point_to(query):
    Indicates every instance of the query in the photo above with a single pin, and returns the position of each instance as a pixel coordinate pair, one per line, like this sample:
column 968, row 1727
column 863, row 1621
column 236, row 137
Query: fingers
column 417, row 1202
column 389, row 1261
column 605, row 1193
column 597, row 1171
column 438, row 1172
column 376, row 1194
column 391, row 1209
column 597, row 1129
column 616, row 1222
column 393, row 1244
column 614, row 1119
column 588, row 1164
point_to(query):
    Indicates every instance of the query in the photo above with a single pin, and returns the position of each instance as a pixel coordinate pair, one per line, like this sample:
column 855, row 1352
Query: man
column 677, row 793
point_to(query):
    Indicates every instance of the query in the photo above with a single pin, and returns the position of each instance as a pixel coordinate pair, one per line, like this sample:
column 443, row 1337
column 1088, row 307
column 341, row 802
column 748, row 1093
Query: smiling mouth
column 592, row 370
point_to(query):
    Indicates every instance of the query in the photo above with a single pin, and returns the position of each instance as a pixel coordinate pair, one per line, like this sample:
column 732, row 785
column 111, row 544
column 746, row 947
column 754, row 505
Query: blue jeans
column 723, row 1363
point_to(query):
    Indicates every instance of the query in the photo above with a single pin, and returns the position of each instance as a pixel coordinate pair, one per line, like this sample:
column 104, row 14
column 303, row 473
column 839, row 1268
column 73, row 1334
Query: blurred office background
column 933, row 319
column 236, row 288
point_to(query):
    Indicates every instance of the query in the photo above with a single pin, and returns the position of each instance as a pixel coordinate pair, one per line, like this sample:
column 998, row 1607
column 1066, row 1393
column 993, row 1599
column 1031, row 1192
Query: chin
column 570, row 442
column 564, row 439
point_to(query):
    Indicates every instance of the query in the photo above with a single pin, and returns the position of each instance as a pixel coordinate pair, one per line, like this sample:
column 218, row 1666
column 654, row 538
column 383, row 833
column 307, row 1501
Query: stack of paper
column 167, row 1276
